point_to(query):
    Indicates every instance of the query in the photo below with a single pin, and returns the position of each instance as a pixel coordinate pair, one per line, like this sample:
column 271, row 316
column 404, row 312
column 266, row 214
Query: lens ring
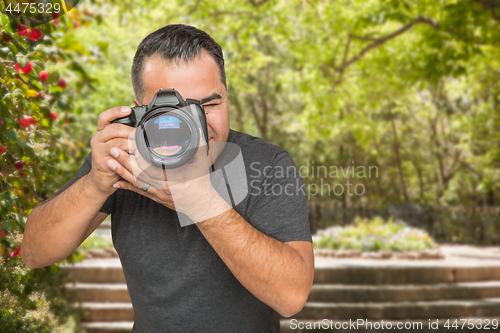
column 181, row 157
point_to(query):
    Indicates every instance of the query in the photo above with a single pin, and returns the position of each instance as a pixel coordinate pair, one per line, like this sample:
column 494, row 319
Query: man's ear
column 136, row 102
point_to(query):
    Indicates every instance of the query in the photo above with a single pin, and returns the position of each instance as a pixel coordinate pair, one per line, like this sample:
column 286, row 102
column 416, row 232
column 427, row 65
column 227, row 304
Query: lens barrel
column 167, row 137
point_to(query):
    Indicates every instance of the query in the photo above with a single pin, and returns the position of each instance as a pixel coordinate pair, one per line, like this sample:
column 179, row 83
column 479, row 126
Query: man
column 230, row 273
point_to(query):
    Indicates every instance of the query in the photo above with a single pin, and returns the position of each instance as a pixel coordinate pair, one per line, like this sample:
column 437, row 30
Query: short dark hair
column 175, row 42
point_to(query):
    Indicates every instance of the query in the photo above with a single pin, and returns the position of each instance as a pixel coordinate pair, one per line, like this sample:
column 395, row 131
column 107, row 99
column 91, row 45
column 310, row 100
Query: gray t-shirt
column 176, row 280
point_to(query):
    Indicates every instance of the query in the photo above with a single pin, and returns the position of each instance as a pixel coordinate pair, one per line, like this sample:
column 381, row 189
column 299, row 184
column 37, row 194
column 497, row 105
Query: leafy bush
column 374, row 235
column 40, row 74
column 34, row 300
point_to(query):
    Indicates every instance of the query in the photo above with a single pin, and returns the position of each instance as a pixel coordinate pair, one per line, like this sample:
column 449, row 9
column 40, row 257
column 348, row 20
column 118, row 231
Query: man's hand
column 58, row 226
column 102, row 176
column 187, row 189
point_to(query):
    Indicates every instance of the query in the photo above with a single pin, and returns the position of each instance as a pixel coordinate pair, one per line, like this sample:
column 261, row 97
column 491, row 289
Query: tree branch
column 257, row 3
column 363, row 38
column 195, row 7
column 383, row 40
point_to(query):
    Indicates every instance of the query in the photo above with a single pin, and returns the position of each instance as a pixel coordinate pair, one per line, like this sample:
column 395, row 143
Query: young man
column 234, row 272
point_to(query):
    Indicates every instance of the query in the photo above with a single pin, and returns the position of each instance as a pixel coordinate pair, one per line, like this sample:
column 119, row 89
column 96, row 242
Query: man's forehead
column 198, row 78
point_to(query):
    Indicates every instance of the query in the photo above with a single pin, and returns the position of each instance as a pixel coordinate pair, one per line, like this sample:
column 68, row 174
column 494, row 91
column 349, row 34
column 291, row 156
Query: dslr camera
column 168, row 130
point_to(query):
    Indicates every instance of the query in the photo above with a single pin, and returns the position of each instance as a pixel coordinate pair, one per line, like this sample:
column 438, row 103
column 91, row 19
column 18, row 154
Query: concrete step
column 307, row 326
column 108, row 327
column 107, row 270
column 331, row 271
column 487, row 307
column 403, row 293
column 99, row 311
column 366, row 272
column 105, row 225
column 375, row 326
column 99, row 292
column 325, row 326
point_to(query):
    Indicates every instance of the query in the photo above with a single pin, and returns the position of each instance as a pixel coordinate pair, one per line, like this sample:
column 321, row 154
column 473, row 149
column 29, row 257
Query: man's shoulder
column 254, row 148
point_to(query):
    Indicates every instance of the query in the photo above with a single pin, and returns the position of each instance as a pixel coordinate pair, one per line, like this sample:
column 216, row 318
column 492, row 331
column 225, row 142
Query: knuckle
column 113, row 130
column 101, row 117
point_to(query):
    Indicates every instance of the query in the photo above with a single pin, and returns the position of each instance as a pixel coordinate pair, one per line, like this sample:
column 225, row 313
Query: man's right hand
column 108, row 135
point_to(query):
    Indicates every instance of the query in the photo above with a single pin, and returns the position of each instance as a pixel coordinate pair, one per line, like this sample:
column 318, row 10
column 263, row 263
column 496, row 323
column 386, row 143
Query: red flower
column 33, row 122
column 22, row 30
column 16, row 253
column 75, row 24
column 53, row 116
column 2, row 233
column 25, row 70
column 62, row 83
column 56, row 21
column 44, row 76
column 40, row 95
column 35, row 34
column 5, row 37
column 22, row 174
column 19, row 165
column 2, row 150
column 55, row 15
column 26, row 121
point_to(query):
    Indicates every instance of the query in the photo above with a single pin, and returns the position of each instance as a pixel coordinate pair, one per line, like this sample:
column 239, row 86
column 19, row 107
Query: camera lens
column 167, row 136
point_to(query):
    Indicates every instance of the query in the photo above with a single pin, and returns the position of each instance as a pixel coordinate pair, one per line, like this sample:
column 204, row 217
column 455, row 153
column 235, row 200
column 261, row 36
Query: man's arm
column 279, row 274
column 55, row 228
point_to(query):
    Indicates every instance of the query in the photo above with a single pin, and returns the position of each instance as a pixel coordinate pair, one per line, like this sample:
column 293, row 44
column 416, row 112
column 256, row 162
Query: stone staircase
column 389, row 291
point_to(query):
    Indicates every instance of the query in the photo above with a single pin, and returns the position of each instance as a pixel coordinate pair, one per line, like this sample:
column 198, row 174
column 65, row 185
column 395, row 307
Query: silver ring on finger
column 145, row 187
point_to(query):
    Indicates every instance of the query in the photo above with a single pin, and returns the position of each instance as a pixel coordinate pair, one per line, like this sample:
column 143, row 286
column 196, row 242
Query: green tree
column 407, row 86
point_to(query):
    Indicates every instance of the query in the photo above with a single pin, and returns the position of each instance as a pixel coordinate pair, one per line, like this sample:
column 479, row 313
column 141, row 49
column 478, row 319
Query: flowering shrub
column 374, row 235
column 40, row 73
column 32, row 300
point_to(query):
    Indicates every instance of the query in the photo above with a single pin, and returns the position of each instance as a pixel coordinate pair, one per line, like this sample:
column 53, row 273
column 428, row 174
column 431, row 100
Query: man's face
column 198, row 79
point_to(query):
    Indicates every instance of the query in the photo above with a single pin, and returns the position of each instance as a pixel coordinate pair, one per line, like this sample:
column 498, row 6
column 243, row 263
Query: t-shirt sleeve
column 109, row 205
column 278, row 204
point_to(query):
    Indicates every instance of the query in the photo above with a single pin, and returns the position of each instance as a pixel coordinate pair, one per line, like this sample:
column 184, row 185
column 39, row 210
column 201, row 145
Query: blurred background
column 389, row 108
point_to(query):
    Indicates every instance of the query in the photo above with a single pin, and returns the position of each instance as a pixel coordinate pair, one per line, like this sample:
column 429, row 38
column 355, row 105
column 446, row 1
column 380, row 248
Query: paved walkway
column 455, row 255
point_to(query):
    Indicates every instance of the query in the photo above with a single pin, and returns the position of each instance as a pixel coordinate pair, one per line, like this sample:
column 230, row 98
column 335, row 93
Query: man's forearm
column 55, row 228
column 272, row 271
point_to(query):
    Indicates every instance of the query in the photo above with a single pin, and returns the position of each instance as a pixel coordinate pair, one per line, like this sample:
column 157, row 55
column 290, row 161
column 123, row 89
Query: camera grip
column 128, row 120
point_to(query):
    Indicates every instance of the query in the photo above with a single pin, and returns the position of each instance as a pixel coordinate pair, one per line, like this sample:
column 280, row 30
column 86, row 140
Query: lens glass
column 167, row 135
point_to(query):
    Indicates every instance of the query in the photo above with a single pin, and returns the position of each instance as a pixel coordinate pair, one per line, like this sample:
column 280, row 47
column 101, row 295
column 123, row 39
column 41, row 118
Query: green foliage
column 35, row 110
column 374, row 235
column 408, row 86
column 41, row 72
column 33, row 300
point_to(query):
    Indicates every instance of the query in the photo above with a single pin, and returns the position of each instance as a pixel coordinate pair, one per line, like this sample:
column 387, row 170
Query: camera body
column 168, row 129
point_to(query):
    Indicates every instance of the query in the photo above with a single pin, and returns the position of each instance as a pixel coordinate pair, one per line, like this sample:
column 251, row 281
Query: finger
column 114, row 131
column 107, row 116
column 127, row 186
column 123, row 165
column 120, row 170
column 123, row 144
column 139, row 162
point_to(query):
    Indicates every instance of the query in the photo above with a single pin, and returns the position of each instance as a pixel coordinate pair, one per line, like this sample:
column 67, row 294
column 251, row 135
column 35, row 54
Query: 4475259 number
column 485, row 324
column 33, row 8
